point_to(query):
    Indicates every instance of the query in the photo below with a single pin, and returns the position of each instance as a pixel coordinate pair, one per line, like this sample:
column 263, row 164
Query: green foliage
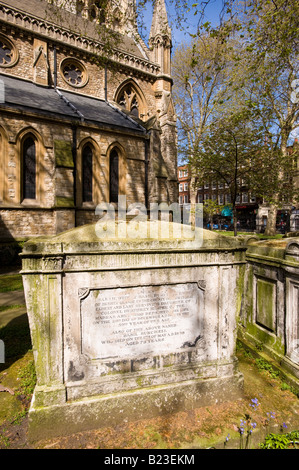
column 11, row 282
column 18, row 418
column 263, row 365
column 239, row 80
column 28, row 381
column 4, row 441
column 285, row 386
column 247, row 354
column 211, row 208
column 259, row 346
column 281, row 441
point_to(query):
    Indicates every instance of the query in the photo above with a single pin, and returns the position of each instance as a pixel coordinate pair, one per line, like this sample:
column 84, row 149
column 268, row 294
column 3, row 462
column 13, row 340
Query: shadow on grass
column 17, row 340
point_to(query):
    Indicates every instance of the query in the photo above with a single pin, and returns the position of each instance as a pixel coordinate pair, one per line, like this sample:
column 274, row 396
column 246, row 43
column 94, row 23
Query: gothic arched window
column 87, row 174
column 128, row 99
column 29, row 168
column 114, row 176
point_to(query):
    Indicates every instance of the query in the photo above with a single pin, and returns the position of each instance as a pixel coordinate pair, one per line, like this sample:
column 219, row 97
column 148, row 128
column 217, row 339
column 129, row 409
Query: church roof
column 26, row 96
column 60, row 17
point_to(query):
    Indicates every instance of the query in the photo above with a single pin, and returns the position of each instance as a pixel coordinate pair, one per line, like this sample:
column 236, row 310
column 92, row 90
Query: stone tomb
column 128, row 329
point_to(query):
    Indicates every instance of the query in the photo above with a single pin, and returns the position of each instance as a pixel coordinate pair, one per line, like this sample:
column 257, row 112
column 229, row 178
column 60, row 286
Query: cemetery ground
column 269, row 403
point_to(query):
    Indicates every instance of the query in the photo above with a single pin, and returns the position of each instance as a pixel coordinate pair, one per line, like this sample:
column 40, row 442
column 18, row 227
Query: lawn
column 11, row 282
column 261, row 236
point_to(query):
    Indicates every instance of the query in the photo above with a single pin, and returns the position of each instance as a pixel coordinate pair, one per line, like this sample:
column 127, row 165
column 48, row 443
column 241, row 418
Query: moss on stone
column 63, row 154
column 64, row 201
column 117, row 236
column 240, row 287
column 267, row 340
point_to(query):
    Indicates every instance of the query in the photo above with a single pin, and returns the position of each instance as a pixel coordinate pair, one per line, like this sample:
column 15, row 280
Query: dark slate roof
column 27, row 96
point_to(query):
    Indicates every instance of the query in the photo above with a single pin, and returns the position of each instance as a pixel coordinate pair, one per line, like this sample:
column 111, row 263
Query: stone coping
column 84, row 239
column 277, row 251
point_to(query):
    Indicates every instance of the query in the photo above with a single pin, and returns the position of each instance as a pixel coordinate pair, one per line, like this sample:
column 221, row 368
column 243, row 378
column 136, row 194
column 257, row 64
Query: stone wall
column 55, row 174
column 26, row 223
column 41, row 50
column 270, row 306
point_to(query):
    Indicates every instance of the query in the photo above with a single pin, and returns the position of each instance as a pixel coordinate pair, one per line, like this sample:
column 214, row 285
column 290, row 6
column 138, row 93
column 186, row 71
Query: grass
column 4, row 308
column 261, row 236
column 263, row 365
column 11, row 282
column 15, row 334
column 18, row 371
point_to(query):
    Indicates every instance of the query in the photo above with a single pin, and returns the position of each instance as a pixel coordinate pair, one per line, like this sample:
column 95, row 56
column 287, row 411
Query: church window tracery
column 128, row 100
column 98, row 11
column 8, row 53
column 73, row 72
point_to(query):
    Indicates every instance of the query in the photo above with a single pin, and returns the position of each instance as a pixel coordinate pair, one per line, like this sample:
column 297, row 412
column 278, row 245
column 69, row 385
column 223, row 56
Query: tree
column 270, row 57
column 228, row 152
column 253, row 70
column 211, row 208
column 202, row 78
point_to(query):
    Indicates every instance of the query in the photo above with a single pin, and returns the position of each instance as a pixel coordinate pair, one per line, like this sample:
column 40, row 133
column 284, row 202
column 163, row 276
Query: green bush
column 281, row 441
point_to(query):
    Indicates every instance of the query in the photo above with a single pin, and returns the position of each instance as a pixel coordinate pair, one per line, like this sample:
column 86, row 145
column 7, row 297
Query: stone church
column 86, row 112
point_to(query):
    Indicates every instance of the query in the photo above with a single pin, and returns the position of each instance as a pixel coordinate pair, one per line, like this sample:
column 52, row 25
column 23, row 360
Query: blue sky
column 212, row 12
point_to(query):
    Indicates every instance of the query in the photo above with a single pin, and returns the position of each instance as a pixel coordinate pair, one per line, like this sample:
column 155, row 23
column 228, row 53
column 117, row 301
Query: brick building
column 246, row 202
column 217, row 191
column 77, row 130
column 252, row 211
column 184, row 179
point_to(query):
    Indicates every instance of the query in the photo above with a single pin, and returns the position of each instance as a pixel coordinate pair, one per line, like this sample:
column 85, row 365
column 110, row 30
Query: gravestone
column 125, row 329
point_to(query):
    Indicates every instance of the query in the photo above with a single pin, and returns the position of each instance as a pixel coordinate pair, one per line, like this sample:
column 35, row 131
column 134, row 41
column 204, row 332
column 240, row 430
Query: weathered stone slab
column 137, row 321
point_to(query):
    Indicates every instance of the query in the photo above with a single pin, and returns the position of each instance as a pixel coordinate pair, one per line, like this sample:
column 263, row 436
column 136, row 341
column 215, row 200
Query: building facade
column 184, row 180
column 85, row 115
column 218, row 192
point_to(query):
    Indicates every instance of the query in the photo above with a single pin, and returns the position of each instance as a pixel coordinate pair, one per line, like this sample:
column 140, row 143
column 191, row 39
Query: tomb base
column 120, row 408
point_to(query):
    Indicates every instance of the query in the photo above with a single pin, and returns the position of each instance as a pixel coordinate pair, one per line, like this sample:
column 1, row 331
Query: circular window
column 8, row 52
column 73, row 72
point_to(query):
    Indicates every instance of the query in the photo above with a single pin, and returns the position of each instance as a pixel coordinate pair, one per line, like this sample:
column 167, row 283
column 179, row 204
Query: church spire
column 160, row 37
column 160, row 26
